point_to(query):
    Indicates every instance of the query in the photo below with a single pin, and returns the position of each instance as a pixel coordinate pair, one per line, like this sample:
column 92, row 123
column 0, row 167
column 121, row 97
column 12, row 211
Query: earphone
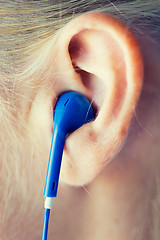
column 72, row 110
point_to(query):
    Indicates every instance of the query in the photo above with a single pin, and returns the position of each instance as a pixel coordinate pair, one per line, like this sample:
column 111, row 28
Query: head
column 108, row 54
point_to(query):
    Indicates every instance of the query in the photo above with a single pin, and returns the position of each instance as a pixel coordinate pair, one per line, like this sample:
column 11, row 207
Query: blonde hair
column 24, row 27
column 28, row 23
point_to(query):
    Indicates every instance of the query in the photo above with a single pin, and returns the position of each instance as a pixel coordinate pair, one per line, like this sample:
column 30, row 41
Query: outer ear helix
column 119, row 65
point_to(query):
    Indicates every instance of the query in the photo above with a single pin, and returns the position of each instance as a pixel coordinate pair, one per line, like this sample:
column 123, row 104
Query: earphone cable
column 45, row 223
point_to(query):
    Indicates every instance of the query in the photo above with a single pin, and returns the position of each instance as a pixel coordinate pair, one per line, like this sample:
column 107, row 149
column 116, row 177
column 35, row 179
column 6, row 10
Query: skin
column 110, row 199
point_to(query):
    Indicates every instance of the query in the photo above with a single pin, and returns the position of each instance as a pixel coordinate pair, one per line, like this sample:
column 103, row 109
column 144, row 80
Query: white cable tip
column 48, row 202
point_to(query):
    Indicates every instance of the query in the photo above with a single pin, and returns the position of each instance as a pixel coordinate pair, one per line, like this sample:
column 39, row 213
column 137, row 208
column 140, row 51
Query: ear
column 98, row 56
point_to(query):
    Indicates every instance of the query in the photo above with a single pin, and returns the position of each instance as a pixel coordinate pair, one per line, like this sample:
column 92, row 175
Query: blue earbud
column 71, row 112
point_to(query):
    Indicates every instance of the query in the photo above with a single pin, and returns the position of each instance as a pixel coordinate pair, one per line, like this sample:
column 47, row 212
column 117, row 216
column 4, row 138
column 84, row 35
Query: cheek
column 40, row 119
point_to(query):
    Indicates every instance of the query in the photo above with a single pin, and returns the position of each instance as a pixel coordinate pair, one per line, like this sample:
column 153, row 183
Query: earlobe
column 107, row 67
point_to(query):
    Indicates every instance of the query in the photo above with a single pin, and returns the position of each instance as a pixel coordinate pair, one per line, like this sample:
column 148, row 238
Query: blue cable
column 45, row 223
